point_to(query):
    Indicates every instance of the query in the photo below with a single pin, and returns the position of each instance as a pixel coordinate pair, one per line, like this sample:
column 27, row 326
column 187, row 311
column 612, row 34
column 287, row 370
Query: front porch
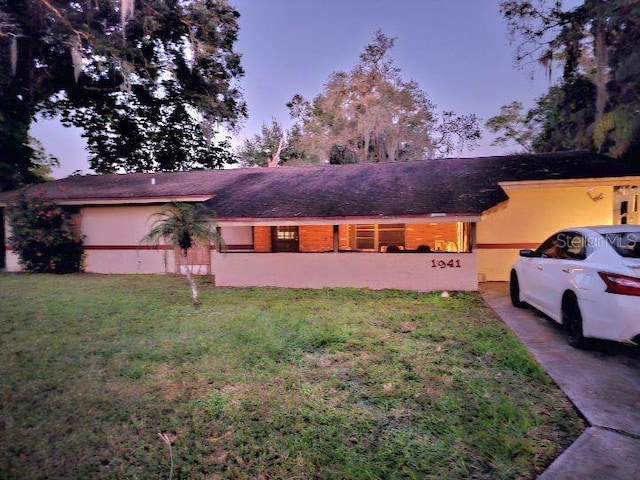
column 419, row 254
column 408, row 271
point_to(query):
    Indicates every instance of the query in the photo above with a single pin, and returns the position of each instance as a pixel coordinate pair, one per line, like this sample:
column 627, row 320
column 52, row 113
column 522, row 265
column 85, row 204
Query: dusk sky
column 457, row 50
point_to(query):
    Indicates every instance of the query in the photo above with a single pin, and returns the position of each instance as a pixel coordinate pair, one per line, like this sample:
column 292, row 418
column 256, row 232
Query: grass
column 99, row 375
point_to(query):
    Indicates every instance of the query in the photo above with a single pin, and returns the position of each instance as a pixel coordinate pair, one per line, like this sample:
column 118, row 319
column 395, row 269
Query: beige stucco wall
column 113, row 237
column 530, row 216
column 116, row 225
column 11, row 258
column 407, row 271
column 12, row 262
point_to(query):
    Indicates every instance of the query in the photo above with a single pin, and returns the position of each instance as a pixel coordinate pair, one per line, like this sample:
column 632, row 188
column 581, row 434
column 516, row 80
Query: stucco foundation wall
column 129, row 261
column 405, row 271
column 529, row 217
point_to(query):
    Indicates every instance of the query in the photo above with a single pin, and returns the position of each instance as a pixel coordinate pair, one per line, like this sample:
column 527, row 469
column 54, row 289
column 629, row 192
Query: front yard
column 99, row 374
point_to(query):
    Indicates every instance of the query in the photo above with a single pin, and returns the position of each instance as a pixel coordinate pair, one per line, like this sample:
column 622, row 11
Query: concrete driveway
column 603, row 383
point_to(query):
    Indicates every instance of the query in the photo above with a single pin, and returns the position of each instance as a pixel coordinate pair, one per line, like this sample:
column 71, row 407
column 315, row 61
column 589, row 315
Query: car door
column 531, row 272
column 559, row 264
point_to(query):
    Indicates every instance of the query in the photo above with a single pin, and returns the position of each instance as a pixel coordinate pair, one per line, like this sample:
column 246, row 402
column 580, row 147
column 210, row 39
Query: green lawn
column 265, row 383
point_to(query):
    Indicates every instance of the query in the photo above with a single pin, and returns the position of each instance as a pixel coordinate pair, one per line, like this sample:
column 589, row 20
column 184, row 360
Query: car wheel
column 572, row 322
column 514, row 291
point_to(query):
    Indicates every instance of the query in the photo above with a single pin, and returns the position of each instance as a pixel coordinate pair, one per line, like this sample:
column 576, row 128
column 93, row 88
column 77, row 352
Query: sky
column 458, row 51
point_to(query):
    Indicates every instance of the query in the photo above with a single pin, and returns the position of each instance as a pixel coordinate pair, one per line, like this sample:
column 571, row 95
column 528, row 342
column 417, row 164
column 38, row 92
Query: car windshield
column 627, row 244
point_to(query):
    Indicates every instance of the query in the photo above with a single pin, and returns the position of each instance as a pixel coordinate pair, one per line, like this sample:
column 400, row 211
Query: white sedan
column 587, row 279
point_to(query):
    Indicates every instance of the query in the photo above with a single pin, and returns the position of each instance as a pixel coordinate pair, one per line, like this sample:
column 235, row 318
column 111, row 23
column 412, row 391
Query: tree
column 512, row 125
column 371, row 114
column 597, row 43
column 564, row 117
column 42, row 238
column 162, row 135
column 185, row 225
column 92, row 59
column 273, row 146
column 560, row 120
column 43, row 162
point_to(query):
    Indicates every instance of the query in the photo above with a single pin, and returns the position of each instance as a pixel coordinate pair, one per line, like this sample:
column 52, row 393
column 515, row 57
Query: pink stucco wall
column 12, row 262
column 129, row 261
column 406, row 271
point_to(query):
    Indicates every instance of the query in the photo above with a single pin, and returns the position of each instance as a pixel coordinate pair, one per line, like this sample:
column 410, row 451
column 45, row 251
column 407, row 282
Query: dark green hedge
column 42, row 239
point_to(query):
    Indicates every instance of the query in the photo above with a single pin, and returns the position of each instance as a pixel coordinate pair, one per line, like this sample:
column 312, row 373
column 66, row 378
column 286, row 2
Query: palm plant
column 185, row 225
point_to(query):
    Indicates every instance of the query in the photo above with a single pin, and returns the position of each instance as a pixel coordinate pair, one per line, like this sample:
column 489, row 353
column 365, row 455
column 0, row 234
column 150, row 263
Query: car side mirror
column 527, row 253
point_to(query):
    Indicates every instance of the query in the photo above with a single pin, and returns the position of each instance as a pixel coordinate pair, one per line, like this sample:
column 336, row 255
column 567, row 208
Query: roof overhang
column 571, row 182
column 131, row 200
column 381, row 220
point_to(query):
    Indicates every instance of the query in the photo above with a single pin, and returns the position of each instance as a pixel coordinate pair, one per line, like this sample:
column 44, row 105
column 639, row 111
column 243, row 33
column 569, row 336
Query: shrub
column 41, row 238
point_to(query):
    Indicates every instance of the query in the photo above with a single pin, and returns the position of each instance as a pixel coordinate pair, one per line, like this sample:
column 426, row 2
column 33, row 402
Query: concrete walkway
column 602, row 382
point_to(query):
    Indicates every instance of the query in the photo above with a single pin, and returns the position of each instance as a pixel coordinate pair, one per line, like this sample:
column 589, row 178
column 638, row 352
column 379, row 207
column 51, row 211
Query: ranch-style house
column 442, row 224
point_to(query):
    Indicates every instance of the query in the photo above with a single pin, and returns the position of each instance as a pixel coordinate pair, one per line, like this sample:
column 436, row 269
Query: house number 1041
column 445, row 263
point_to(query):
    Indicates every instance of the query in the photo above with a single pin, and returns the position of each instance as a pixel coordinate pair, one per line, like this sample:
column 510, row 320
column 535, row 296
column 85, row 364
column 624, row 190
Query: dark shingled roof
column 452, row 186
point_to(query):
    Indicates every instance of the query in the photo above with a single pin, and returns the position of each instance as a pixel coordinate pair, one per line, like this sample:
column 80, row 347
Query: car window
column 548, row 248
column 576, row 246
column 627, row 244
column 564, row 245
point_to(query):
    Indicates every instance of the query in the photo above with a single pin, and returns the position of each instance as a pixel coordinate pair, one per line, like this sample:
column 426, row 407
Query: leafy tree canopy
column 595, row 105
column 123, row 70
column 273, row 146
column 371, row 114
column 512, row 125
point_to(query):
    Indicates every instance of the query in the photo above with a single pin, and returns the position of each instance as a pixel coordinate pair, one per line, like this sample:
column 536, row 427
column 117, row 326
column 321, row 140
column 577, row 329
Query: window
column 564, row 245
column 626, row 244
column 624, row 211
column 285, row 239
column 411, row 237
column 376, row 237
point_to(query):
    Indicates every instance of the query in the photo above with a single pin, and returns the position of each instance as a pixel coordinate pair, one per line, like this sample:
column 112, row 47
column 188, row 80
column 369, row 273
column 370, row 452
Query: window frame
column 285, row 238
column 377, row 230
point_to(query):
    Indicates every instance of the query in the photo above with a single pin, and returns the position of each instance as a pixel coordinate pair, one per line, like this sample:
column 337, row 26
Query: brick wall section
column 261, row 239
column 343, row 234
column 427, row 234
column 316, row 238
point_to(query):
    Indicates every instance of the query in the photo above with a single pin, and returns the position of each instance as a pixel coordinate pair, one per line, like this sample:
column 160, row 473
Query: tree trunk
column 192, row 282
column 602, row 65
column 275, row 157
column 367, row 139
